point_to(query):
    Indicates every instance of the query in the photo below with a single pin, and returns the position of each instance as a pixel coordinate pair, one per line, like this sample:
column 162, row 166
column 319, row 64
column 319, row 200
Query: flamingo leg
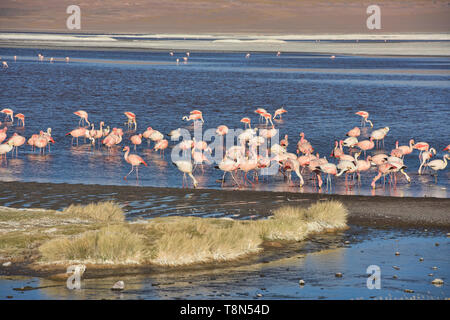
column 132, row 168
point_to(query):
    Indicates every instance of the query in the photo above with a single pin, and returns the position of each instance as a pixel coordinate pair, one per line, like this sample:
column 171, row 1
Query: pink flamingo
column 228, row 165
column 21, row 119
column 76, row 133
column 9, row 113
column 222, row 130
column 161, row 146
column 365, row 116
column 134, row 160
column 260, row 111
column 366, row 145
column 147, row 133
column 17, row 141
column 246, row 122
column 131, row 120
column 407, row 149
column 355, row 132
column 136, row 139
column 268, row 117
column 279, row 112
column 84, row 117
column 383, row 170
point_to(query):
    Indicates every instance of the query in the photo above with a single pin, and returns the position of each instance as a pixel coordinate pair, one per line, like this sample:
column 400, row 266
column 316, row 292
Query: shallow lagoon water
column 315, row 261
column 409, row 94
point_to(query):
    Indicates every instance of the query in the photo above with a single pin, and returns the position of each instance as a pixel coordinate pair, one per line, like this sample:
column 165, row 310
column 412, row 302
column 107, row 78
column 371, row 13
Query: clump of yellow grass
column 175, row 241
column 107, row 211
column 111, row 244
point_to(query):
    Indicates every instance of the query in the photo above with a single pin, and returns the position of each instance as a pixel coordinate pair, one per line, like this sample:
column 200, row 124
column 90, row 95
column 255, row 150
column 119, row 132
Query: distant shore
column 357, row 44
column 375, row 211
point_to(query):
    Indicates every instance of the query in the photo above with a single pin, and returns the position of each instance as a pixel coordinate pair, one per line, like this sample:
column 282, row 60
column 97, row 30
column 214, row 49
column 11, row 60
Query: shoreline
column 397, row 44
column 374, row 211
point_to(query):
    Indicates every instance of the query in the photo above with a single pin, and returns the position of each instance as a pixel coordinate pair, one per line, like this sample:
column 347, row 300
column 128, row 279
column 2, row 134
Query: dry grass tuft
column 188, row 240
column 176, row 241
column 111, row 244
column 107, row 211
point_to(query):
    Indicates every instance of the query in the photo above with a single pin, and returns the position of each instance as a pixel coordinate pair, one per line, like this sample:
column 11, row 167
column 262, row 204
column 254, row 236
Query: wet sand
column 147, row 202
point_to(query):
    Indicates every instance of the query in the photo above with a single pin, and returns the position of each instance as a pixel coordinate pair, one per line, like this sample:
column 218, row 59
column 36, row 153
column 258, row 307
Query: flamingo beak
column 51, row 140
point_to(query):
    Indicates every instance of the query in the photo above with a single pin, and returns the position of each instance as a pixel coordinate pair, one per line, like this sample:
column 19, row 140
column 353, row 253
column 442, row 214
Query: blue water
column 349, row 253
column 408, row 94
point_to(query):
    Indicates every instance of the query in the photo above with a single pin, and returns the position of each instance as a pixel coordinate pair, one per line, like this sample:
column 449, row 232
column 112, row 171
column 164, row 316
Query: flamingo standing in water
column 9, row 113
column 20, row 119
column 355, row 132
column 17, row 141
column 447, row 148
column 134, row 160
column 438, row 164
column 185, row 166
column 279, row 112
column 84, row 117
column 4, row 149
column 383, row 170
column 365, row 116
column 131, row 120
column 161, row 146
column 246, row 122
column 136, row 139
column 76, row 133
column 379, row 134
column 366, row 145
column 260, row 111
column 228, row 165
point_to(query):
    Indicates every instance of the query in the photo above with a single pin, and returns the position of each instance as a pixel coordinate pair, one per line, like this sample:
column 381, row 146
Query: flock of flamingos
column 241, row 159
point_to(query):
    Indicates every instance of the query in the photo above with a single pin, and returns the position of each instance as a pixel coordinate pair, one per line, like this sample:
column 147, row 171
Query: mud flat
column 146, row 202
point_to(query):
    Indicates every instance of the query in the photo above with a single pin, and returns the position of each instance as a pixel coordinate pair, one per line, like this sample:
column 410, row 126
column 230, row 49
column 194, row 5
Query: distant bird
column 4, row 149
column 134, row 160
column 17, row 141
column 5, row 64
column 136, row 140
column 447, row 148
column 247, row 55
column 222, row 130
column 76, row 133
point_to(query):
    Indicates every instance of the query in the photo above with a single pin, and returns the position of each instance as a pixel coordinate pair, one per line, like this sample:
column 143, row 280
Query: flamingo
column 194, row 117
column 134, row 160
column 383, row 170
column 161, row 146
column 350, row 142
column 438, row 164
column 365, row 116
column 279, row 112
column 4, row 149
column 147, row 133
column 284, row 142
column 246, row 122
column 9, row 113
column 329, row 169
column 84, row 117
column 131, row 120
column 447, row 148
column 228, row 165
column 4, row 64
column 355, row 132
column 17, row 141
column 76, row 133
column 407, row 149
column 222, row 130
column 185, row 166
column 136, row 139
column 366, row 145
column 398, row 166
column 268, row 117
column 379, row 134
column 260, row 111
column 21, row 118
